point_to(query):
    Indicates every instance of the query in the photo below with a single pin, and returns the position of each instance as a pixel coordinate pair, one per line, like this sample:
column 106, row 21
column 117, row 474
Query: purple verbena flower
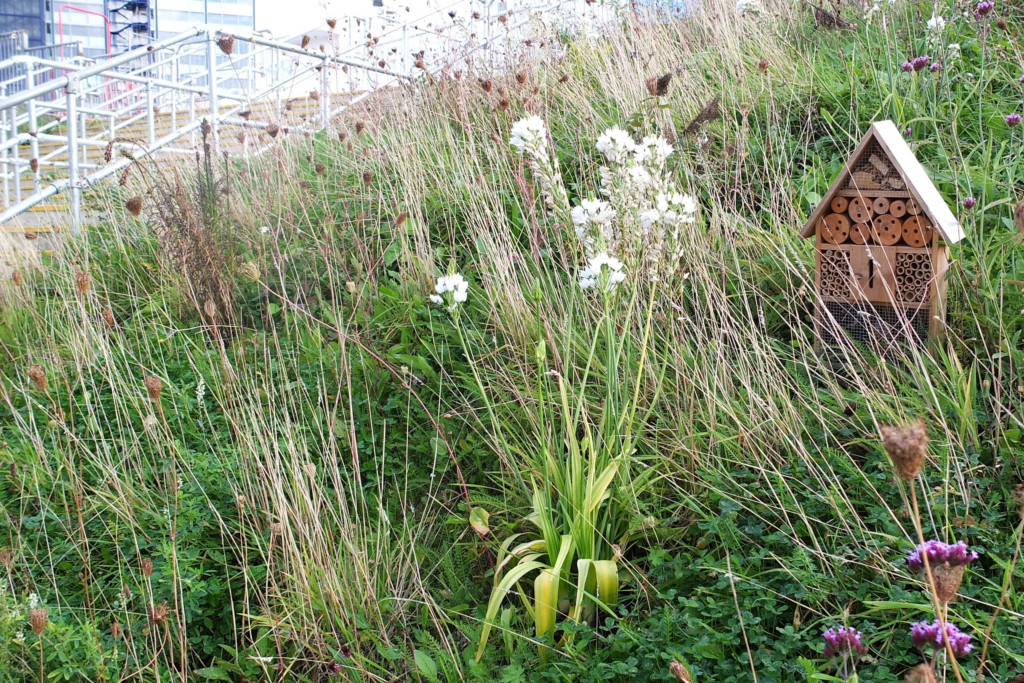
column 984, row 8
column 956, row 554
column 842, row 641
column 908, row 66
column 1021, row 79
column 907, row 132
column 921, row 62
column 1013, row 120
column 970, row 202
column 936, row 66
column 923, row 635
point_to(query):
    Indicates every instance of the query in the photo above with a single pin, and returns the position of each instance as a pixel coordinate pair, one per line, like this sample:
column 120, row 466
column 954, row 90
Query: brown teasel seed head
column 360, row 127
column 504, row 104
column 947, row 581
column 250, row 271
column 319, row 168
column 1002, row 25
column 331, row 23
column 37, row 619
column 420, row 65
column 273, row 129
column 342, row 136
column 158, row 613
column 147, row 567
column 907, row 446
column 657, row 86
column 520, row 77
column 38, row 376
column 153, row 387
column 305, row 42
column 764, row 65
column 486, row 85
column 367, row 178
column 226, row 44
column 116, row 631
column 134, row 205
column 82, row 282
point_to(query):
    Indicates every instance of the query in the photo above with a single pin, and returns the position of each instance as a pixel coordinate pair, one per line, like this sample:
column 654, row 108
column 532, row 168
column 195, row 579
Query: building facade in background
column 114, row 26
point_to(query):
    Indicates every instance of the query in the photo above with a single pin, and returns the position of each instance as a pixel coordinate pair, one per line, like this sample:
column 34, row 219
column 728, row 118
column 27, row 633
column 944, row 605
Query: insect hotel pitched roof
column 913, row 174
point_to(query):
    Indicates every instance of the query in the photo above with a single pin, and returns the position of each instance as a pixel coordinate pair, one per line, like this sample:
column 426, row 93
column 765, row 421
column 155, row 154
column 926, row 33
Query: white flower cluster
column 936, row 24
column 748, row 7
column 530, row 136
column 603, row 271
column 641, row 212
column 451, row 290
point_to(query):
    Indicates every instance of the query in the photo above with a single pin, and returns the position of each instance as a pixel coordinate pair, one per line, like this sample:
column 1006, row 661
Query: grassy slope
column 298, row 502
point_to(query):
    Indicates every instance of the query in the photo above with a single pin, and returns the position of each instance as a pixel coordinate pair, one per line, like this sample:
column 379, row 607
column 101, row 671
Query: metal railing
column 62, row 122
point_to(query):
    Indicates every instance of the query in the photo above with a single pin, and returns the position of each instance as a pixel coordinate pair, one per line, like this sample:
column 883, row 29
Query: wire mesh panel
column 879, row 326
column 873, row 171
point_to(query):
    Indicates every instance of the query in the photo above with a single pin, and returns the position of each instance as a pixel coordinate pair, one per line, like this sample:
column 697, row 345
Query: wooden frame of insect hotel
column 882, row 236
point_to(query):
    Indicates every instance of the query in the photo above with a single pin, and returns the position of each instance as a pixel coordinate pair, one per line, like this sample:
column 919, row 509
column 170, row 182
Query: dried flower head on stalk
column 226, row 43
column 38, row 376
column 153, row 387
column 37, row 619
column 134, row 205
column 947, row 563
column 5, row 558
column 657, row 86
column 907, row 446
column 82, row 280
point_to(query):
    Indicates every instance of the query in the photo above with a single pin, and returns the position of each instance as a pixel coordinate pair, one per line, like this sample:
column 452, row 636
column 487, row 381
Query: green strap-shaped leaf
column 607, row 581
column 498, row 594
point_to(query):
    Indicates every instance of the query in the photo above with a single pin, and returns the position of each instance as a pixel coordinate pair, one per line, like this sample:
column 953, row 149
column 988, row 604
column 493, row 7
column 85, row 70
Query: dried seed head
column 564, row 78
column 331, row 23
column 520, row 77
column 360, row 127
column 37, row 619
column 226, row 44
column 402, row 217
column 158, row 614
column 947, row 581
column 341, row 136
column 1018, row 217
column 1001, row 23
column 367, row 178
column 108, row 318
column 116, row 631
column 314, row 95
column 82, row 282
column 147, row 567
column 305, row 42
column 922, row 673
column 34, row 165
column 420, row 64
column 764, row 65
column 250, row 271
column 657, row 86
column 16, row 278
column 273, row 129
column 907, row 446
column 38, row 376
column 276, row 529
column 5, row 558
column 153, row 387
column 350, row 287
column 677, row 669
column 134, row 205
column 319, row 168
column 210, row 309
column 486, row 85
column 206, row 128
column 123, row 179
column 504, row 104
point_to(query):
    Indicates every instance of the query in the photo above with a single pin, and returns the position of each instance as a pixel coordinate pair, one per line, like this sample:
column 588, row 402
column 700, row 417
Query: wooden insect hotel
column 882, row 236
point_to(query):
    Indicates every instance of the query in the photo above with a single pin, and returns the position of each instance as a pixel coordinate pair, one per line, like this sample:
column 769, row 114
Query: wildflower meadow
column 513, row 374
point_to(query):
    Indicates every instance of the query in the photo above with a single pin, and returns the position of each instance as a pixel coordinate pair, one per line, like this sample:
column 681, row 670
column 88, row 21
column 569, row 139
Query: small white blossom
column 264, row 229
column 593, row 211
column 649, row 218
column 529, row 135
column 453, row 285
column 33, row 601
column 19, row 637
column 654, row 149
column 616, row 145
column 936, row 24
column 595, row 274
column 639, row 176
